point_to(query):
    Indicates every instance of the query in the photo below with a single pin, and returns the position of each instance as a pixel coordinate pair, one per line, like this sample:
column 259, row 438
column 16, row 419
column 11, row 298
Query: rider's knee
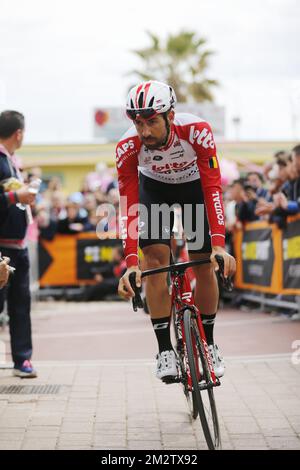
column 204, row 272
column 156, row 256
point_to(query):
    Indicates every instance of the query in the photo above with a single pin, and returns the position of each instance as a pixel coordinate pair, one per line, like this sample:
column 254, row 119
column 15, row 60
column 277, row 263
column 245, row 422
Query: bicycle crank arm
column 171, row 380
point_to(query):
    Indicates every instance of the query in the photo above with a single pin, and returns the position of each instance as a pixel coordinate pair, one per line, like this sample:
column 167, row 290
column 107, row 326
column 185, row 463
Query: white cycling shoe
column 166, row 365
column 217, row 360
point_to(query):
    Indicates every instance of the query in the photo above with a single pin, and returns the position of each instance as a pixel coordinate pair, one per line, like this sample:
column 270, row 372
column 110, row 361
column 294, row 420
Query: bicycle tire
column 204, row 398
column 190, row 395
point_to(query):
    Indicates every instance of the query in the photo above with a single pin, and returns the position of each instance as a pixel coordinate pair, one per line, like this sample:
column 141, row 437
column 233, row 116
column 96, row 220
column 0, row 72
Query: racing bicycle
column 195, row 371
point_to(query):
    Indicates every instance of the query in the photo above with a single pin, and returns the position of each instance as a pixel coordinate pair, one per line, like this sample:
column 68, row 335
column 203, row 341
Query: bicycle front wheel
column 189, row 394
column 200, row 376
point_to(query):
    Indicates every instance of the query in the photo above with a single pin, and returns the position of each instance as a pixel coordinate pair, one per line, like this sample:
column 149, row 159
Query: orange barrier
column 69, row 260
column 268, row 259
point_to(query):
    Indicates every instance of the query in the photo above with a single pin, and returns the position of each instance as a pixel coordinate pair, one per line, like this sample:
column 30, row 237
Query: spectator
column 256, row 181
column 56, row 204
column 289, row 199
column 286, row 200
column 47, row 226
column 54, row 184
column 74, row 221
column 269, row 166
column 245, row 208
column 13, row 228
column 92, row 222
column 266, row 206
column 107, row 277
column 235, row 196
column 113, row 196
column 90, row 203
column 100, row 179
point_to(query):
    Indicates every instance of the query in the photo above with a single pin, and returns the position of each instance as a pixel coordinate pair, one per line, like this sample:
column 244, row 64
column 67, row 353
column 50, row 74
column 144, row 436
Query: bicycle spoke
column 204, row 397
column 183, row 366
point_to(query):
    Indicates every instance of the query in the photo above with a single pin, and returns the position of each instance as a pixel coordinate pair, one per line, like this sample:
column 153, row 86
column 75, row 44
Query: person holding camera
column 15, row 214
column 254, row 193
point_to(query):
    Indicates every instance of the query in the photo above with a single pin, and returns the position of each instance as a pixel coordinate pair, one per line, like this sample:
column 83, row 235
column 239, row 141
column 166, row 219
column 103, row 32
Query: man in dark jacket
column 287, row 201
column 15, row 213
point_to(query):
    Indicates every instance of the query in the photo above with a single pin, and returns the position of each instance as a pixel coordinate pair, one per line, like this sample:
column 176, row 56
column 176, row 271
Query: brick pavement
column 119, row 404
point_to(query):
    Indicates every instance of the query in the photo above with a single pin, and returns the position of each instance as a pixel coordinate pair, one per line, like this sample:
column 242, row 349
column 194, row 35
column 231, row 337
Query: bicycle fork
column 182, row 296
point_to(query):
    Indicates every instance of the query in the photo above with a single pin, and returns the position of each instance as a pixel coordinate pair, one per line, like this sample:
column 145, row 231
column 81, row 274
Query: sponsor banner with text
column 72, row 260
column 268, row 259
column 291, row 257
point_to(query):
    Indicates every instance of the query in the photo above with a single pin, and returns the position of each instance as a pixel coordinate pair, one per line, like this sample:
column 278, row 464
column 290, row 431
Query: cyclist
column 170, row 159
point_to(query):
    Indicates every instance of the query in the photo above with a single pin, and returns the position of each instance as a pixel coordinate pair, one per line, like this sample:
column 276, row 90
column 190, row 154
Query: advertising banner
column 258, row 255
column 72, row 260
column 291, row 257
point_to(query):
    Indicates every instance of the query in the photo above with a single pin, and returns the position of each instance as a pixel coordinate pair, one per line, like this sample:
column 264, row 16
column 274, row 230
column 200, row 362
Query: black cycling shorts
column 155, row 228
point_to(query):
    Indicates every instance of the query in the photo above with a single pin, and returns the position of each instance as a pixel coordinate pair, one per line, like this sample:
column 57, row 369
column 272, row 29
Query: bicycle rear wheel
column 200, row 376
column 190, row 395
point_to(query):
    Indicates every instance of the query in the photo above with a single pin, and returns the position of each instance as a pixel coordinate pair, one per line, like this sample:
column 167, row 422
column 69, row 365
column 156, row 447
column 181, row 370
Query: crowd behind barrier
column 269, row 194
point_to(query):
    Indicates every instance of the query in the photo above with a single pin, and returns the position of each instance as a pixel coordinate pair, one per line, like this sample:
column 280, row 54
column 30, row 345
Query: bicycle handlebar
column 177, row 268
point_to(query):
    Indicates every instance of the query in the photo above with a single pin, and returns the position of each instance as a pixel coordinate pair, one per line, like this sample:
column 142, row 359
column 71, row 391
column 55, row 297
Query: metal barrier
column 34, row 269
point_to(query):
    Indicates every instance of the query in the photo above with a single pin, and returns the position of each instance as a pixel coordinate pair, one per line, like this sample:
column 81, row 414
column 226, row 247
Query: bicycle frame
column 182, row 298
column 196, row 372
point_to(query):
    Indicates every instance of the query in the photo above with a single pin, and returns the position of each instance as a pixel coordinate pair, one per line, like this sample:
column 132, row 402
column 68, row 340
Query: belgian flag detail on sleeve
column 213, row 162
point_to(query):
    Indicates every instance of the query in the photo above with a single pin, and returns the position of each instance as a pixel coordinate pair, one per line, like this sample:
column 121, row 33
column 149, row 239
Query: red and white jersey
column 190, row 154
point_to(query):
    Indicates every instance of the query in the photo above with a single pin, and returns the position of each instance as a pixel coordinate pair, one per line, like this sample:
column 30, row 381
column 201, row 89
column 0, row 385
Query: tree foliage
column 182, row 61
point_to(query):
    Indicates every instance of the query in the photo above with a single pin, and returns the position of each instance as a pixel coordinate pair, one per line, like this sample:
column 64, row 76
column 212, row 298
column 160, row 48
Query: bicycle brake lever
column 137, row 301
column 227, row 282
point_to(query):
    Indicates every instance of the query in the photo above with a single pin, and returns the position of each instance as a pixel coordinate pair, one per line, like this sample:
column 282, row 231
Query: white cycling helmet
column 150, row 98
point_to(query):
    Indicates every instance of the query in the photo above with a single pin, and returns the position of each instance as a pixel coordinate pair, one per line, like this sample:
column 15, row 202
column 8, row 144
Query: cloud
column 74, row 55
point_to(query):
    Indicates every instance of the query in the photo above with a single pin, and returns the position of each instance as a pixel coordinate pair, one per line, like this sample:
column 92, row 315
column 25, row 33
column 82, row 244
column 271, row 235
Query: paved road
column 102, row 356
column 111, row 330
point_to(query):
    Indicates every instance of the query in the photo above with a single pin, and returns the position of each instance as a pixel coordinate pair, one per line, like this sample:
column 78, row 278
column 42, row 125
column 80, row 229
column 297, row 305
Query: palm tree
column 182, row 62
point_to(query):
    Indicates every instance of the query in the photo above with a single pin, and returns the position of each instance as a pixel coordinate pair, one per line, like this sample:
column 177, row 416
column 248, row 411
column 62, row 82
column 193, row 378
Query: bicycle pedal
column 170, row 379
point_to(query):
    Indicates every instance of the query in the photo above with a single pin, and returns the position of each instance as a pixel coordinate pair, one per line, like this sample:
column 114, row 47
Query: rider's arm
column 210, row 175
column 127, row 166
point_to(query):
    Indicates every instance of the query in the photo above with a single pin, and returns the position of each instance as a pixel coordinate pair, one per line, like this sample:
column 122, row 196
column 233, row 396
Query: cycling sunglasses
column 144, row 113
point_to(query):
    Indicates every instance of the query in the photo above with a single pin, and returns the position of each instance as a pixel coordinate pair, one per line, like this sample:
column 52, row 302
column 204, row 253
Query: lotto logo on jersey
column 203, row 137
column 176, row 166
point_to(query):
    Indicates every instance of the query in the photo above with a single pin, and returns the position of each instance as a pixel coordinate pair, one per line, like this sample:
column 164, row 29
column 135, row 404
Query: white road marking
column 151, row 362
